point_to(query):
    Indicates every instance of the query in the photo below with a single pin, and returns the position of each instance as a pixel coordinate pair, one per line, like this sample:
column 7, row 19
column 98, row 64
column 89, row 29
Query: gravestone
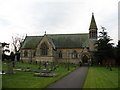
column 52, row 66
column 46, row 65
column 11, row 63
column 39, row 66
column 47, row 68
column 10, row 67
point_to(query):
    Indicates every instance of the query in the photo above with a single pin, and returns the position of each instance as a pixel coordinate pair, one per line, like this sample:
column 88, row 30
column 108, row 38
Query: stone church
column 72, row 48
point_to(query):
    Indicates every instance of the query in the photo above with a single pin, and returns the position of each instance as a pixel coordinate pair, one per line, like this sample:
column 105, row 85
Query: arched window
column 60, row 54
column 74, row 54
column 25, row 54
column 44, row 49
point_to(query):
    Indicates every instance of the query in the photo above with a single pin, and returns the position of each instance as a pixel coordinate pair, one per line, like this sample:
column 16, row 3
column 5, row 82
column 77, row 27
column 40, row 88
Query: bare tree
column 17, row 42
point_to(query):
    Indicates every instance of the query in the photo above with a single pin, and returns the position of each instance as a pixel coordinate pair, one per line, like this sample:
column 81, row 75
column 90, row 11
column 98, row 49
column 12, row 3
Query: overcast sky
column 34, row 17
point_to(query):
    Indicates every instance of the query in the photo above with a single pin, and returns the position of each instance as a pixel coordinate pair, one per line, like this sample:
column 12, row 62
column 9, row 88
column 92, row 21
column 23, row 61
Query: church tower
column 92, row 33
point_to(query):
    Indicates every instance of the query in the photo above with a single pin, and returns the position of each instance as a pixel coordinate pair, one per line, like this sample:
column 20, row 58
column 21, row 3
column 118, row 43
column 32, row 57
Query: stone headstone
column 10, row 67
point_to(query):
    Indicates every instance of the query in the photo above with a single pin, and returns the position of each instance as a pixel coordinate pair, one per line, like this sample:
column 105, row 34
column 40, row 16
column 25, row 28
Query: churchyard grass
column 101, row 77
column 22, row 79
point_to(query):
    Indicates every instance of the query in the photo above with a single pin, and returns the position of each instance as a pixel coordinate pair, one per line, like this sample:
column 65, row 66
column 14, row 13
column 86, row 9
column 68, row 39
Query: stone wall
column 67, row 55
column 53, row 55
column 30, row 57
column 92, row 44
column 68, row 60
column 44, row 59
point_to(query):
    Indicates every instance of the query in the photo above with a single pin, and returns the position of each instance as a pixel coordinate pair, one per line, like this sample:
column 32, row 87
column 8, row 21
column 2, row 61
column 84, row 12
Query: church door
column 85, row 59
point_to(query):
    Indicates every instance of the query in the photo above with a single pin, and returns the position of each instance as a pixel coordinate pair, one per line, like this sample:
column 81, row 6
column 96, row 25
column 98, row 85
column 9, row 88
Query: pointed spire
column 92, row 13
column 93, row 23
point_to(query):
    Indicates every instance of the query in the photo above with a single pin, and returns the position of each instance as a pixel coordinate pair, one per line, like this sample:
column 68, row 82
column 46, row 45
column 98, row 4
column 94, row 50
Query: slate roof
column 93, row 23
column 31, row 42
column 59, row 41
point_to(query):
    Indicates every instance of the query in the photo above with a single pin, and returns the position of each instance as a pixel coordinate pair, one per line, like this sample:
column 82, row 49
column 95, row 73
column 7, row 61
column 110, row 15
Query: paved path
column 73, row 80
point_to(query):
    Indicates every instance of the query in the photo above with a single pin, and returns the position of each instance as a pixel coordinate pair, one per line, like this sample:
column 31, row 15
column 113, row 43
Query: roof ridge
column 61, row 34
column 69, row 34
column 34, row 36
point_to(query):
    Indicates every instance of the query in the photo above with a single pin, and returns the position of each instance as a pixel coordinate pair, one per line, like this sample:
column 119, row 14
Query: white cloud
column 34, row 17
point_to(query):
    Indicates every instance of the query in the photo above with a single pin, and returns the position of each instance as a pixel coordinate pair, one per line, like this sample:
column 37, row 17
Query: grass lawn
column 27, row 80
column 100, row 77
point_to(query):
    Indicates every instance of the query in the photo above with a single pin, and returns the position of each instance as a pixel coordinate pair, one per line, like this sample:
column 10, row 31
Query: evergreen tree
column 104, row 47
